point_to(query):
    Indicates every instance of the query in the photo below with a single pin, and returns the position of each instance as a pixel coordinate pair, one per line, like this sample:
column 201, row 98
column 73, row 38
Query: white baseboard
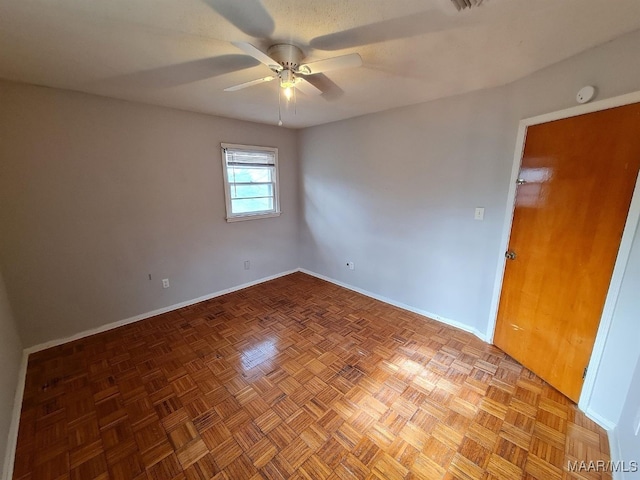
column 142, row 316
column 608, row 425
column 12, row 437
column 424, row 313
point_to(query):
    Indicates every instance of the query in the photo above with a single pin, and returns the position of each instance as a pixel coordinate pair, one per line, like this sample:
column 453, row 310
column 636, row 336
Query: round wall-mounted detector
column 586, row 94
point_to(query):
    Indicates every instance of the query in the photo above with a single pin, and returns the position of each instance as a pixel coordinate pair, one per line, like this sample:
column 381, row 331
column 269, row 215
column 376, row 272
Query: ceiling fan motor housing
column 289, row 56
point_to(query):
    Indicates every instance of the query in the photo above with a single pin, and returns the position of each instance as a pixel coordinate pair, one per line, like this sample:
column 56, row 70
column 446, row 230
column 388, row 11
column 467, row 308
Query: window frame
column 237, row 217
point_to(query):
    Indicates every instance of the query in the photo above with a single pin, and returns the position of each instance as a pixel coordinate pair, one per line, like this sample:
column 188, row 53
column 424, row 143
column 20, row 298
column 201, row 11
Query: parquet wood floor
column 294, row 378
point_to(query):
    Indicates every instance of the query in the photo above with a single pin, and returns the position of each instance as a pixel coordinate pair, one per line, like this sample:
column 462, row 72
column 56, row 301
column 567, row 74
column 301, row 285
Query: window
column 250, row 181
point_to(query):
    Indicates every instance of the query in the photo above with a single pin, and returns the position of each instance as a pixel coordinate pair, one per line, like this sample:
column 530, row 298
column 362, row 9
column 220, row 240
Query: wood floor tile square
column 262, row 452
column 182, row 435
column 166, row 469
column 156, row 453
column 294, row 378
column 241, row 467
column 203, row 469
column 191, row 452
column 295, row 454
column 314, row 469
column 226, row 452
column 268, row 421
column 93, row 469
column 127, row 468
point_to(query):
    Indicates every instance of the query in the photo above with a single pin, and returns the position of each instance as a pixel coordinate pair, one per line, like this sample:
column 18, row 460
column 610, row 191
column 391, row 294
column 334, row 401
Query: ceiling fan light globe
column 287, row 79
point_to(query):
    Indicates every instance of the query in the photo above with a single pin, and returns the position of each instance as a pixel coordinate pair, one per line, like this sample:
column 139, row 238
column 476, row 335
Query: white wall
column 395, row 192
column 10, row 358
column 96, row 194
column 620, row 367
column 628, row 442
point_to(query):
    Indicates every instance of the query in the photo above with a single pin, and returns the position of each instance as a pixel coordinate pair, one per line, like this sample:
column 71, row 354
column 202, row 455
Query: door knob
column 510, row 255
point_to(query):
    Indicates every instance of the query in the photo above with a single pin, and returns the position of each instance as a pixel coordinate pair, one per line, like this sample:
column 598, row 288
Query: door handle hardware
column 510, row 255
column 521, row 181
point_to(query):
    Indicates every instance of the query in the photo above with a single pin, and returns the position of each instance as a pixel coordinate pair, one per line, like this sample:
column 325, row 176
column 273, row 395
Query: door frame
column 633, row 219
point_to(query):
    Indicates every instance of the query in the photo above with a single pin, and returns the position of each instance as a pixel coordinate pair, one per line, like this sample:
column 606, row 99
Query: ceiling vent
column 462, row 4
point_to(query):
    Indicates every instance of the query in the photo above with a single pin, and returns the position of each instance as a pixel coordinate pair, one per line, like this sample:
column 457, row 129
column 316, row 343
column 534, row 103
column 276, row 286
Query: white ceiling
column 177, row 53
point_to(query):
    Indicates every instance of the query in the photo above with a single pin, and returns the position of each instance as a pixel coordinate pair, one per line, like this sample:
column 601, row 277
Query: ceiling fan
column 285, row 61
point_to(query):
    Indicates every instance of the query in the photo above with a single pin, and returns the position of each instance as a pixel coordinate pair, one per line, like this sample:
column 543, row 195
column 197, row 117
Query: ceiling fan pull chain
column 279, row 109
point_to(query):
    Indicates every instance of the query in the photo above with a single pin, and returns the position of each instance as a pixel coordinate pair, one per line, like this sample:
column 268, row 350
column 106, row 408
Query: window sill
column 253, row 216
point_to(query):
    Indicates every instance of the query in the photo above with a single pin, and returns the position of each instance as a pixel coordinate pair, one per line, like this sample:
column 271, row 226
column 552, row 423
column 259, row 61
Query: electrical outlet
column 351, row 265
column 247, row 264
column 165, row 283
column 479, row 215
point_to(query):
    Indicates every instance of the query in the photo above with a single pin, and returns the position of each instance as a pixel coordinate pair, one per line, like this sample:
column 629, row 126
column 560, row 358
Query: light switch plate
column 479, row 215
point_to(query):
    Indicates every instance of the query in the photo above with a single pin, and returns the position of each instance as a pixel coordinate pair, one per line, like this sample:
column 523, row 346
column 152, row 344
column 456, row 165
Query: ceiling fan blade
column 248, row 16
column 178, row 74
column 258, row 55
column 445, row 16
column 330, row 91
column 240, row 86
column 392, row 29
column 351, row 60
column 306, row 88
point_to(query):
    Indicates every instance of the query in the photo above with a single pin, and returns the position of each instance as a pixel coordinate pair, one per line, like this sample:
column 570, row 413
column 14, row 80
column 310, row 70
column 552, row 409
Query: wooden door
column 568, row 220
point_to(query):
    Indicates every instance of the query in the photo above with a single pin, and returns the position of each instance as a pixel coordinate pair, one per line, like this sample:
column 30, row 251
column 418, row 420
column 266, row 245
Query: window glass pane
column 247, row 191
column 247, row 205
column 249, row 175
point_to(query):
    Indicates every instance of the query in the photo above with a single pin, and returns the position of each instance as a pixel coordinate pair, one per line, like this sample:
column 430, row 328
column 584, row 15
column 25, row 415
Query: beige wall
column 10, row 357
column 96, row 194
